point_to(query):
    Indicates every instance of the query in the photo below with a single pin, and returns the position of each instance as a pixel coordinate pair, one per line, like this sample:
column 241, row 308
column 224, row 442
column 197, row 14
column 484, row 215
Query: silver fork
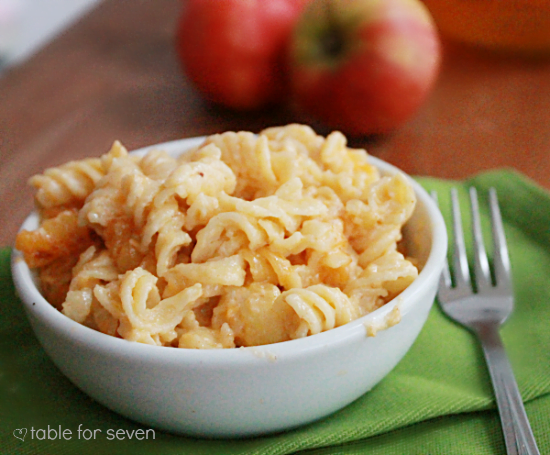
column 483, row 308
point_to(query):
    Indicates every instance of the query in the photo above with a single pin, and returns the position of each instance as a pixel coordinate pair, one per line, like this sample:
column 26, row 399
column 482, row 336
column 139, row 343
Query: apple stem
column 332, row 44
column 332, row 41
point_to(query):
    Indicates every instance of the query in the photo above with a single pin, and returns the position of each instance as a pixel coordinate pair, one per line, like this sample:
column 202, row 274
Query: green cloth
column 438, row 400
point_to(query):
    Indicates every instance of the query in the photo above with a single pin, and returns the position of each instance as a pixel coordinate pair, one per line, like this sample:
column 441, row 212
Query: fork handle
column 518, row 435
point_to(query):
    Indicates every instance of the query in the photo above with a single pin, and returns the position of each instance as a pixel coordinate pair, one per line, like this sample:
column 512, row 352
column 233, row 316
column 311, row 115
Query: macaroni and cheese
column 245, row 240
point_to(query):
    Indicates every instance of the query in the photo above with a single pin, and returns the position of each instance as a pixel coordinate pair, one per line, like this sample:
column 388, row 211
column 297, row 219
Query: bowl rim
column 37, row 305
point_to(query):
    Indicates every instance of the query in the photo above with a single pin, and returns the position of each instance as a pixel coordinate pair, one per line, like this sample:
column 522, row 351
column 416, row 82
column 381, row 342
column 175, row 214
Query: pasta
column 245, row 240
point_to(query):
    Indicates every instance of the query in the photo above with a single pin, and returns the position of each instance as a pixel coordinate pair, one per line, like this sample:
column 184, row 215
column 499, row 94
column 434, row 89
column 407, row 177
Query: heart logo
column 20, row 433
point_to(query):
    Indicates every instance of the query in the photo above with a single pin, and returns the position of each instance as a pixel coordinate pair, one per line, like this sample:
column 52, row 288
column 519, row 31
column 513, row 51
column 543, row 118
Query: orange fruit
column 515, row 25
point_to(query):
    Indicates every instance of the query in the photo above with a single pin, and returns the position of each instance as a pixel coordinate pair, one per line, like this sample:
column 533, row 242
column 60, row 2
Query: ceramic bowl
column 244, row 391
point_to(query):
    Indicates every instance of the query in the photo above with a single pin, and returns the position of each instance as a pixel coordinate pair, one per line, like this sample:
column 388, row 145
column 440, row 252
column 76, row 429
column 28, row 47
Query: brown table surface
column 115, row 75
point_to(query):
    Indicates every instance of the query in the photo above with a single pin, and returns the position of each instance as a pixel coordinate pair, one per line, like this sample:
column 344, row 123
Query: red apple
column 363, row 66
column 233, row 50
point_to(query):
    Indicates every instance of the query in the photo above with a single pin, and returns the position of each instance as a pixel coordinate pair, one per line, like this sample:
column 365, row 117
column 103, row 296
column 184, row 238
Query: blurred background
column 27, row 25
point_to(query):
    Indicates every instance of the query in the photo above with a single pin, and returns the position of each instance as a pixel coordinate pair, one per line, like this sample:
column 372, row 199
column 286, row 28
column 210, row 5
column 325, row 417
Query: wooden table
column 115, row 75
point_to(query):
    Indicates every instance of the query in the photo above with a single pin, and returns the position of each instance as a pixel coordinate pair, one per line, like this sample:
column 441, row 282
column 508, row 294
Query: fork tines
column 481, row 270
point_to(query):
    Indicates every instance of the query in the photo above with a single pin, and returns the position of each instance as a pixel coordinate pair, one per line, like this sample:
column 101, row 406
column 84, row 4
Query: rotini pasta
column 245, row 240
column 92, row 268
column 319, row 308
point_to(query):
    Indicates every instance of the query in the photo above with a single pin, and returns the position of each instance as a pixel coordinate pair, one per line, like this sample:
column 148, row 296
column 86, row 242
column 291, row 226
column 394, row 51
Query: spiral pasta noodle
column 319, row 308
column 92, row 268
column 68, row 183
column 243, row 241
column 247, row 156
column 157, row 164
column 135, row 301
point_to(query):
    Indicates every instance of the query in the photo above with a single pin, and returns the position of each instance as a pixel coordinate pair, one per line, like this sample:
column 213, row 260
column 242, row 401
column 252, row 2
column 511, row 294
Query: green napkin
column 438, row 400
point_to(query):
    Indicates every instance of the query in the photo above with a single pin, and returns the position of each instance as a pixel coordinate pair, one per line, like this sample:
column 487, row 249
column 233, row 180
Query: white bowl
column 244, row 391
